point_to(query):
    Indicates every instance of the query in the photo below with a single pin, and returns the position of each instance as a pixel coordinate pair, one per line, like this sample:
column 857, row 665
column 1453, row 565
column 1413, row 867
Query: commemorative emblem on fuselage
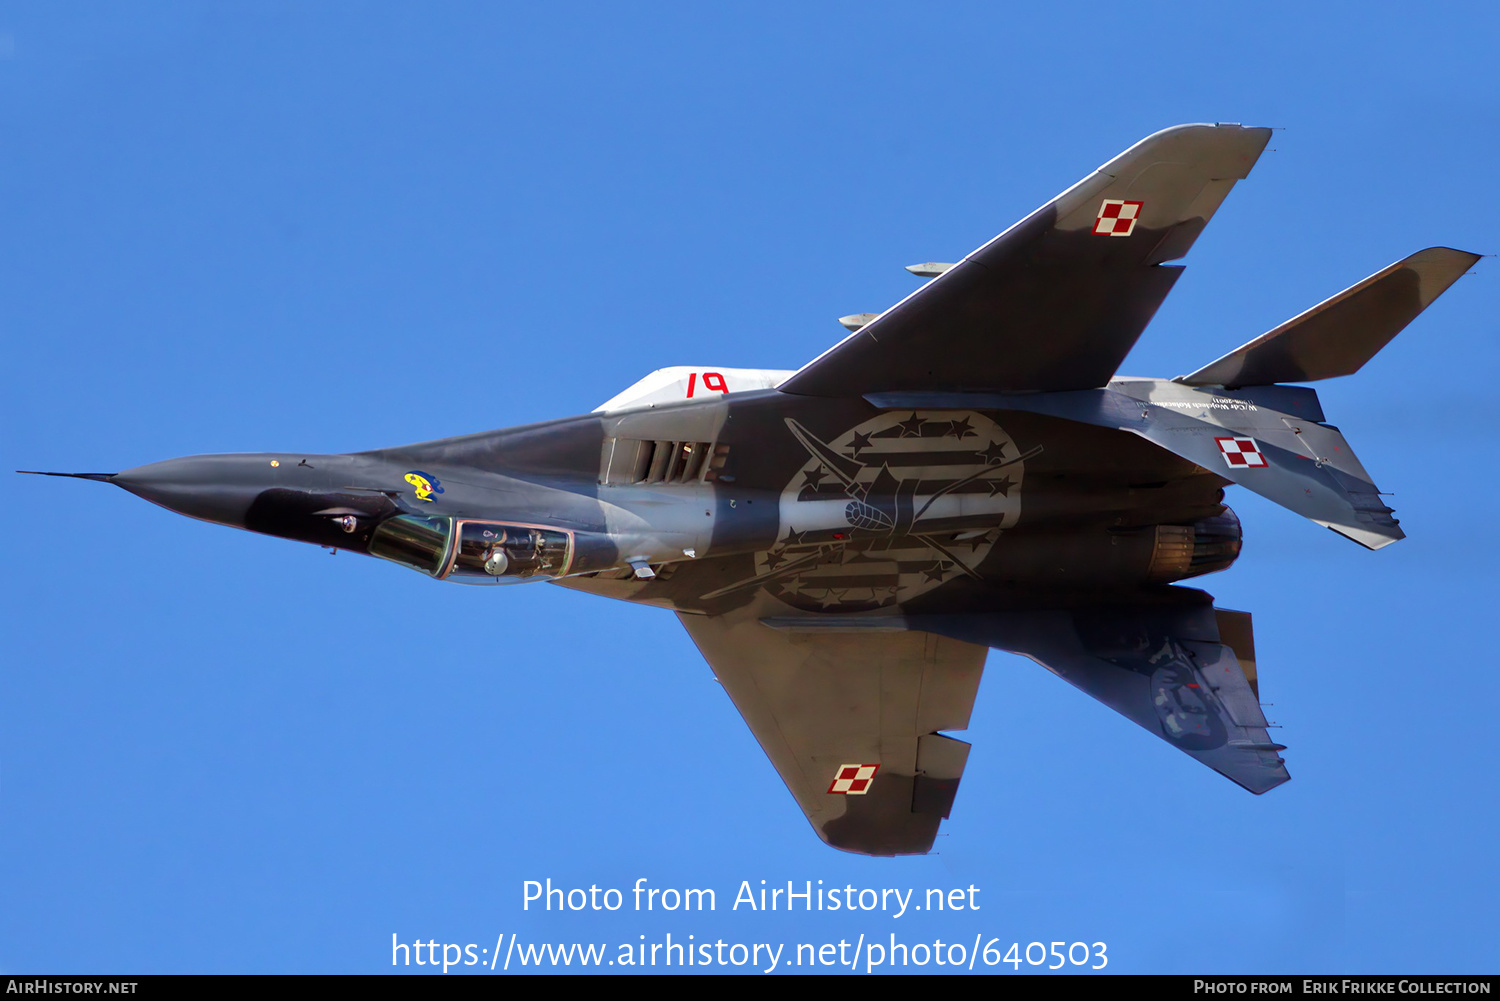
column 892, row 508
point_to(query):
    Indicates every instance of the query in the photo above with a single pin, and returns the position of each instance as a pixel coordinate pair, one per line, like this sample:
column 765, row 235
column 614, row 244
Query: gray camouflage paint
column 961, row 473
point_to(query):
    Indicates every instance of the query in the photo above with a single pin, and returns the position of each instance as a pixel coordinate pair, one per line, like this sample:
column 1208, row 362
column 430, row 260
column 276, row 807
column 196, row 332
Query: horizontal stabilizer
column 1244, row 435
column 1337, row 336
column 1305, row 467
column 1170, row 669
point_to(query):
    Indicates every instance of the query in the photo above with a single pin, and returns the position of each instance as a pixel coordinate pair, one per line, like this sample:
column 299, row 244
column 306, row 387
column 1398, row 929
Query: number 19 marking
column 711, row 380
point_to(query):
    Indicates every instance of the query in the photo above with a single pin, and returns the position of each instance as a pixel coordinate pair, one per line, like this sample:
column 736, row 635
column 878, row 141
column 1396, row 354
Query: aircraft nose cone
column 217, row 488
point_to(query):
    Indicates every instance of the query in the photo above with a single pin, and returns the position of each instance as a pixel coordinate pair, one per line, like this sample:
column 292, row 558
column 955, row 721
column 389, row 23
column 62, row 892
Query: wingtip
column 1451, row 253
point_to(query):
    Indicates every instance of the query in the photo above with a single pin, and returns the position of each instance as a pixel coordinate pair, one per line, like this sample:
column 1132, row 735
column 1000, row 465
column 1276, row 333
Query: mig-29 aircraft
column 845, row 542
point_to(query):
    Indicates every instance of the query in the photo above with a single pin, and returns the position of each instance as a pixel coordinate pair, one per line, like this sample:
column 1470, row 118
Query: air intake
column 628, row 460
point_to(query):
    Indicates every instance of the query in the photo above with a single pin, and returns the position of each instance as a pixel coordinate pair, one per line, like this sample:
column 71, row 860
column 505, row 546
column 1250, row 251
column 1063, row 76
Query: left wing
column 1056, row 301
column 851, row 718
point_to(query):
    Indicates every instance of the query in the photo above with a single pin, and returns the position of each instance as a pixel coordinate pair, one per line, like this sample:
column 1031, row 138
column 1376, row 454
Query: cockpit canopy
column 474, row 552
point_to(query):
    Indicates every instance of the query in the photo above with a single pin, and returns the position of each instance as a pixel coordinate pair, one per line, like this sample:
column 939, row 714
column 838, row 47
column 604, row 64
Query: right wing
column 849, row 708
column 1056, row 301
column 850, row 718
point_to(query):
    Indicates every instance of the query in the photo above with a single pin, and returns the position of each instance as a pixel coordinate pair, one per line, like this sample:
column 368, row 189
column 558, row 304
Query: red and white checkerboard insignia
column 1241, row 453
column 853, row 780
column 1117, row 218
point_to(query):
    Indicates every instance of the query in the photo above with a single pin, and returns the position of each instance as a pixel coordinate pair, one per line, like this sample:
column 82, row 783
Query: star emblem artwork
column 890, row 509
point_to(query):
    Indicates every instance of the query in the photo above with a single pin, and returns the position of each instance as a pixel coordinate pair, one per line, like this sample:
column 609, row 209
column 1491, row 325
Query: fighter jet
column 963, row 472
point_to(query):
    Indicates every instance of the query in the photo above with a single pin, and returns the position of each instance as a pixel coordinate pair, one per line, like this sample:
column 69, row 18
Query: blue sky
column 243, row 227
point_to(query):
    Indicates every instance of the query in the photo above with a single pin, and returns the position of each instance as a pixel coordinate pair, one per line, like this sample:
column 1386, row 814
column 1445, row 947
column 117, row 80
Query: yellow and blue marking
column 424, row 485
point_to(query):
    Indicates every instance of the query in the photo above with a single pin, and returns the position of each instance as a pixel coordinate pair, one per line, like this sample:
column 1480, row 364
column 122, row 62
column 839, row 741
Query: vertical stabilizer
column 1337, row 336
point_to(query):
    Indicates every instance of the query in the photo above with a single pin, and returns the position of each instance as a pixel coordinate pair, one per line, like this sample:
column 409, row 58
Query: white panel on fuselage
column 679, row 383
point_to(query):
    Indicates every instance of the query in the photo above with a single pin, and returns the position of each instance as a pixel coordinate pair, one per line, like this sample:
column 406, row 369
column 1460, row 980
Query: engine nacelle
column 1206, row 546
